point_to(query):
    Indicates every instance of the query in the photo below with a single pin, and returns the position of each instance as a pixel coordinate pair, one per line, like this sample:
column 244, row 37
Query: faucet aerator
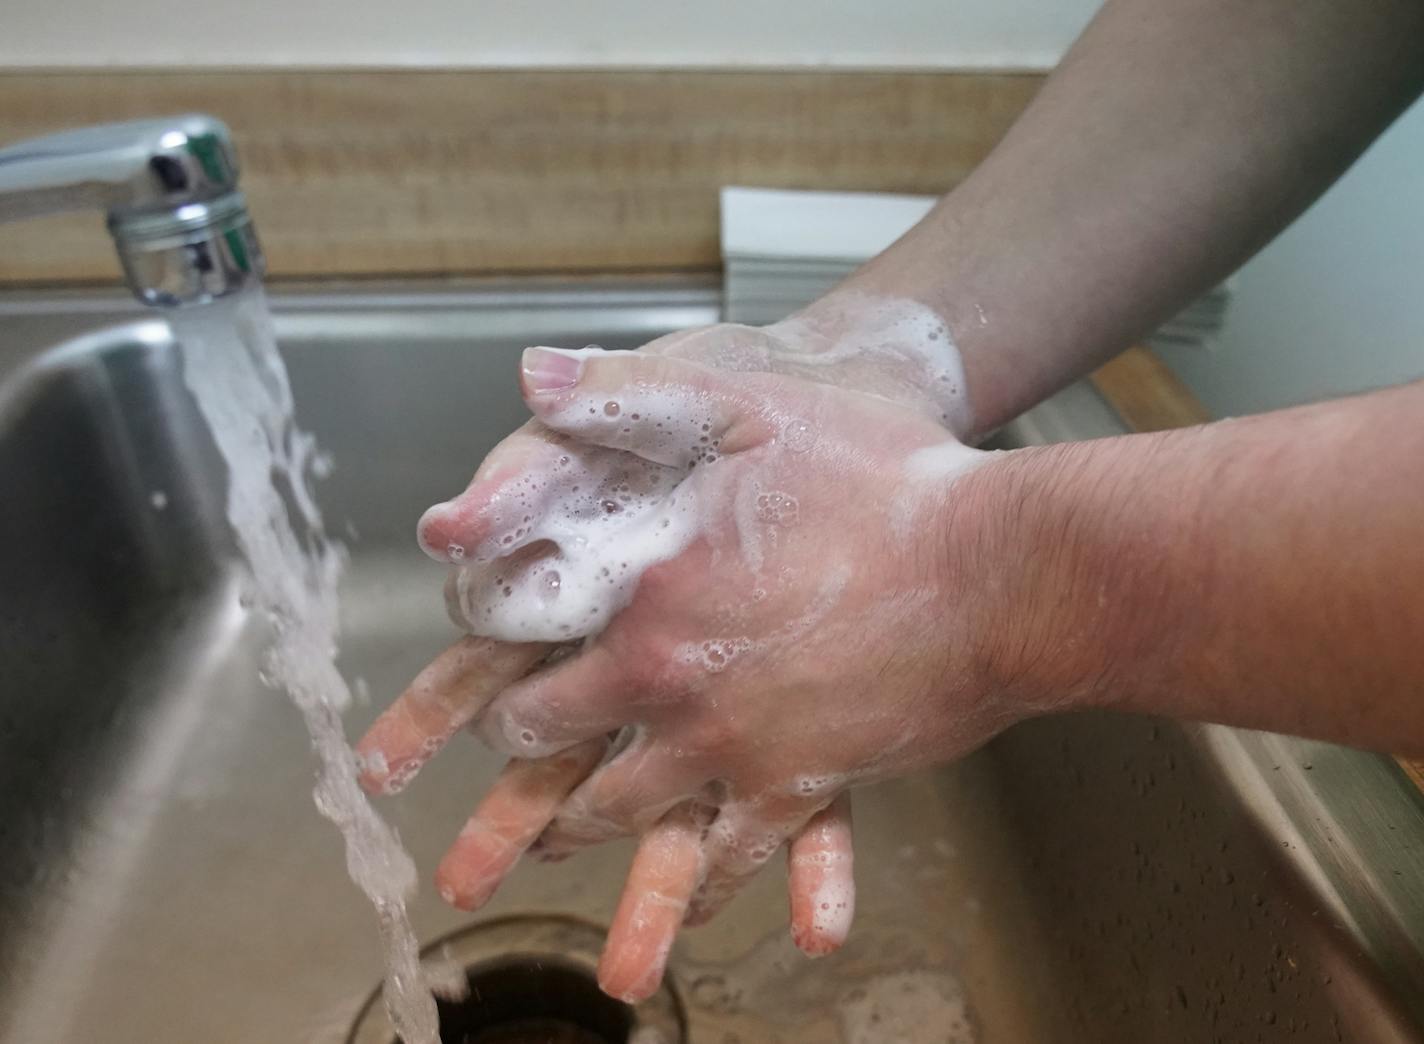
column 169, row 187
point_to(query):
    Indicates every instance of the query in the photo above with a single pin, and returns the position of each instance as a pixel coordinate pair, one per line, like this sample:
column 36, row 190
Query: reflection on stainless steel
column 1352, row 827
column 163, row 877
column 169, row 188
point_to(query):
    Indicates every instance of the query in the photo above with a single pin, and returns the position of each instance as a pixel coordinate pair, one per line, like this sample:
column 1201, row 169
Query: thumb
column 666, row 410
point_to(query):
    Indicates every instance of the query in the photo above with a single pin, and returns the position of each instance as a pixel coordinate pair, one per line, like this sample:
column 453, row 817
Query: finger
column 445, row 696
column 576, row 699
column 728, row 347
column 821, row 881
column 538, row 548
column 623, row 798
column 514, row 812
column 738, row 845
column 507, row 493
column 665, row 871
column 664, row 409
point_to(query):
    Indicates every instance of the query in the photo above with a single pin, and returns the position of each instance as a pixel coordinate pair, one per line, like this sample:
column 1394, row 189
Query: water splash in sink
column 232, row 367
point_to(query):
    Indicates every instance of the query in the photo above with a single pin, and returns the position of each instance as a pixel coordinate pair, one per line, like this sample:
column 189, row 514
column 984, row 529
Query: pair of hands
column 824, row 621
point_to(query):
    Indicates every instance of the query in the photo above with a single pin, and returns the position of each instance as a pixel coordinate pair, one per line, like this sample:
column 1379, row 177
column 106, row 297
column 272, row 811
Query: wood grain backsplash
column 393, row 173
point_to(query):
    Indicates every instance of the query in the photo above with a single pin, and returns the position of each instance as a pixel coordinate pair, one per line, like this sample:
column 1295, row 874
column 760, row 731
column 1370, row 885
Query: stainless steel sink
column 163, row 876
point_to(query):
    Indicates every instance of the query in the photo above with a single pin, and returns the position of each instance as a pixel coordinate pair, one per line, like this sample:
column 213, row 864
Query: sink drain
column 531, row 980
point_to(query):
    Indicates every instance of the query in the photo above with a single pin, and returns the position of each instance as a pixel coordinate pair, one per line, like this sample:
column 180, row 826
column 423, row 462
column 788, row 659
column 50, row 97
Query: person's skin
column 1265, row 572
column 1262, row 572
column 1175, row 139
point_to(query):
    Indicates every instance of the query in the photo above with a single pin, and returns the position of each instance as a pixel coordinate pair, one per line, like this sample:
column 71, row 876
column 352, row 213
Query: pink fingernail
column 550, row 370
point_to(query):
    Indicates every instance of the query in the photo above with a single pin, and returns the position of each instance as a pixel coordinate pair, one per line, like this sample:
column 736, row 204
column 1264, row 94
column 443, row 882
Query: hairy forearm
column 1176, row 138
column 1265, row 572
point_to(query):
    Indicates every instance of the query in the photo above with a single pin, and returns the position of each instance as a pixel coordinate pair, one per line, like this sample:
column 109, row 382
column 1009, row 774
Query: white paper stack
column 783, row 248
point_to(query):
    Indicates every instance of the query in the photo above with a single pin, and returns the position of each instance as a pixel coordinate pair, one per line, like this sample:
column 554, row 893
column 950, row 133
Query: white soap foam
column 893, row 347
column 776, row 508
column 944, row 461
column 716, row 654
column 927, row 473
column 750, row 528
column 816, row 786
column 571, row 537
column 570, row 540
column 796, row 435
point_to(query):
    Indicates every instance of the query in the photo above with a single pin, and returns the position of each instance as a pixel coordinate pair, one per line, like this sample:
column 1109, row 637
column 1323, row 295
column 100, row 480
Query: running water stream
column 232, row 367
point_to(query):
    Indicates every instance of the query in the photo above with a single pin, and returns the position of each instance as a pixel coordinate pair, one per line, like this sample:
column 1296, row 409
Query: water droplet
column 796, row 436
column 551, row 584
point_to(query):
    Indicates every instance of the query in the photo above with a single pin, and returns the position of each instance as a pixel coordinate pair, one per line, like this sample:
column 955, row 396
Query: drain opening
column 534, row 1000
column 533, row 979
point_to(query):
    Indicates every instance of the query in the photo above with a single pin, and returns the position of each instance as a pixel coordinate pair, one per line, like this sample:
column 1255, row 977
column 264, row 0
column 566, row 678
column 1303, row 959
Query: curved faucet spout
column 170, row 190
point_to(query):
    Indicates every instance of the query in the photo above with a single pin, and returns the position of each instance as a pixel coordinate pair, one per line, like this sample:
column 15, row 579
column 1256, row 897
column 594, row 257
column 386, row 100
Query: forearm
column 1175, row 139
column 1265, row 572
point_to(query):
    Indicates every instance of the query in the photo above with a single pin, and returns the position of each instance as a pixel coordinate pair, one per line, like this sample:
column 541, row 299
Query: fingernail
column 550, row 369
column 372, row 770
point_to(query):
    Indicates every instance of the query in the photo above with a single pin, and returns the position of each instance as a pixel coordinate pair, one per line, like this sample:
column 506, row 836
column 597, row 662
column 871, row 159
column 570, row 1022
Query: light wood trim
column 472, row 172
column 1146, row 394
column 1414, row 769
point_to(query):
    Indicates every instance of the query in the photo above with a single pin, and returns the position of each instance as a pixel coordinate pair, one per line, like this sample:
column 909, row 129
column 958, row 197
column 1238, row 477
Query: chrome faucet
column 169, row 188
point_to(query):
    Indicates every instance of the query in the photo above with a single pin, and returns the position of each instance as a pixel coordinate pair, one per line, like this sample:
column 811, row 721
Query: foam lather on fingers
column 659, row 409
column 631, row 485
column 569, row 538
column 887, row 346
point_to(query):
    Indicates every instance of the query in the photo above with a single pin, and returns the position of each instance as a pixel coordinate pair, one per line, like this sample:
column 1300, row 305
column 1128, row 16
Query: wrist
column 883, row 344
column 1067, row 573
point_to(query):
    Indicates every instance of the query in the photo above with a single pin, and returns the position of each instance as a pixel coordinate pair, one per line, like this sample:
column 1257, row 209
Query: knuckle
column 606, row 806
column 643, row 657
column 504, row 728
column 715, row 733
column 579, row 823
column 683, row 578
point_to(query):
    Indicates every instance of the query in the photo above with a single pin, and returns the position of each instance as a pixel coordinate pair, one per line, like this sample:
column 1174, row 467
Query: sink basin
column 165, row 878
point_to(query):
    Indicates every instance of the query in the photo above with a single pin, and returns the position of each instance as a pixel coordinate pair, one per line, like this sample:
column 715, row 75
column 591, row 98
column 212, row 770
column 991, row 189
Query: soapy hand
column 752, row 549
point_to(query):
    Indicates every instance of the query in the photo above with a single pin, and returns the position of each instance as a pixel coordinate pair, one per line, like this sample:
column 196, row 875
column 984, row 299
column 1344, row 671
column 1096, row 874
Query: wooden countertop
column 1146, row 394
column 465, row 172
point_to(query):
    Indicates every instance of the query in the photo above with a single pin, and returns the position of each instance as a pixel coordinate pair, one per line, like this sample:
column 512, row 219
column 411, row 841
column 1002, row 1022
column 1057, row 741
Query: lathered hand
column 747, row 656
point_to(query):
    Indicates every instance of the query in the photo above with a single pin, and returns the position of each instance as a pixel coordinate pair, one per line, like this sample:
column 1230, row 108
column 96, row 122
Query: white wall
column 1336, row 304
column 930, row 33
